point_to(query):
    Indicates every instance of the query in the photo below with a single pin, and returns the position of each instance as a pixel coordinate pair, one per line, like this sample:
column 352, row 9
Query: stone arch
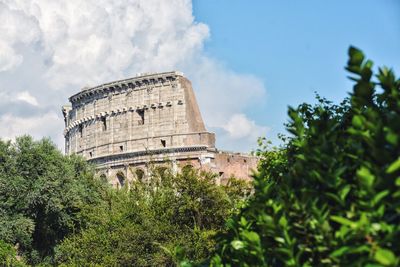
column 140, row 174
column 187, row 168
column 160, row 170
column 121, row 179
column 103, row 178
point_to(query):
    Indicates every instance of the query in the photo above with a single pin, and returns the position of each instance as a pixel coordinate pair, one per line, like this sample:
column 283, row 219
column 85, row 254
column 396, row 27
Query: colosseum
column 127, row 126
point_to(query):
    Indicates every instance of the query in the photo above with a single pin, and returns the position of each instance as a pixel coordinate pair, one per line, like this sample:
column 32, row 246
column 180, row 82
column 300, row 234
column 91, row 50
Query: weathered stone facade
column 124, row 125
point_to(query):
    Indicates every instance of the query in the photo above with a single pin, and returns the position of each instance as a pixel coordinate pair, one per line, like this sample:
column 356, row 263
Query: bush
column 331, row 195
column 8, row 256
column 153, row 224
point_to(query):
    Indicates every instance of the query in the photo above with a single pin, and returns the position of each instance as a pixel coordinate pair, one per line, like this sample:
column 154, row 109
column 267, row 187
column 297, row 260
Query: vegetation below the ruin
column 54, row 212
column 330, row 196
column 154, row 224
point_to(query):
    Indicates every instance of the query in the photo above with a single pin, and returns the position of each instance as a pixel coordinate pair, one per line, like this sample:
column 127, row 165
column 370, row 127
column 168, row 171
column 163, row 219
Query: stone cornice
column 161, row 151
column 143, row 80
column 118, row 111
column 154, row 137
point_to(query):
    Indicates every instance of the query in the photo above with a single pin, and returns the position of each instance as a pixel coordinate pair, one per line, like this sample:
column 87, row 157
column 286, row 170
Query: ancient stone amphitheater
column 129, row 126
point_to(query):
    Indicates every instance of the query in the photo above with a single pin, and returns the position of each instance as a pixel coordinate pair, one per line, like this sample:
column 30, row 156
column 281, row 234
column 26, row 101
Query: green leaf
column 385, row 257
column 237, row 244
column 185, row 263
column 357, row 121
column 243, row 221
column 343, row 221
column 343, row 193
column 392, row 137
column 283, row 221
column 339, row 252
column 379, row 197
column 335, row 198
column 252, row 236
column 356, row 56
column 365, row 176
column 394, row 166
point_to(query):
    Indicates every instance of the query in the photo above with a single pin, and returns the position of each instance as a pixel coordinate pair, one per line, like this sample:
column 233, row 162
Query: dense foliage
column 53, row 211
column 331, row 195
column 153, row 224
column 8, row 256
column 41, row 195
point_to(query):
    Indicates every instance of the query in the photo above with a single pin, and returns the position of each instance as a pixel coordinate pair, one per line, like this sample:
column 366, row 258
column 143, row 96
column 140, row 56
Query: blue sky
column 298, row 47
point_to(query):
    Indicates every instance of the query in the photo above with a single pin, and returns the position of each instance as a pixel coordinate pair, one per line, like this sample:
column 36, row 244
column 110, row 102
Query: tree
column 41, row 195
column 331, row 195
column 155, row 223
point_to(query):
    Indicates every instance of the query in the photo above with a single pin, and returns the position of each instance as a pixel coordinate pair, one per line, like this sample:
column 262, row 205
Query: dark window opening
column 245, row 161
column 81, row 130
column 103, row 178
column 163, row 143
column 221, row 173
column 121, row 179
column 161, row 171
column 141, row 115
column 139, row 174
column 228, row 159
column 104, row 123
column 121, row 148
column 186, row 169
column 90, row 154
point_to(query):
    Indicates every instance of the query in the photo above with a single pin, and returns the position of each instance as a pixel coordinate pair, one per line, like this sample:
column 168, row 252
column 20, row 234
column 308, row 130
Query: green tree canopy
column 41, row 195
column 153, row 224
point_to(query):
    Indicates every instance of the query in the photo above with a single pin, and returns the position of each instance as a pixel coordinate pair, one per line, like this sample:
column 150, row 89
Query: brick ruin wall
column 123, row 126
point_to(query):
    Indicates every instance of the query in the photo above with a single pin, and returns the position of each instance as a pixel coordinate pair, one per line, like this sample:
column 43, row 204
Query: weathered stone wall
column 124, row 125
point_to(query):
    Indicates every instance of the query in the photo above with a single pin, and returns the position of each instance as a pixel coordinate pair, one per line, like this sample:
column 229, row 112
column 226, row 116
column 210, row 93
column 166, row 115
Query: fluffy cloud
column 239, row 126
column 51, row 49
column 37, row 126
column 26, row 97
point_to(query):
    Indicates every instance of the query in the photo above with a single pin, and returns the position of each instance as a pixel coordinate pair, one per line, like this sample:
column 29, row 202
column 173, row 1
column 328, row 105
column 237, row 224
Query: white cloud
column 239, row 126
column 8, row 58
column 93, row 41
column 38, row 127
column 16, row 28
column 51, row 49
column 25, row 96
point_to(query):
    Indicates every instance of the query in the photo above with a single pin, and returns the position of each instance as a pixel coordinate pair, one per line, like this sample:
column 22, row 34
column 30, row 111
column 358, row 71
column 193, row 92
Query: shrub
column 154, row 223
column 8, row 256
column 331, row 195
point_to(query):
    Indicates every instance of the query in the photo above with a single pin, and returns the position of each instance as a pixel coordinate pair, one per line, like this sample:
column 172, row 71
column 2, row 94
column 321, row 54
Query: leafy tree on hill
column 331, row 195
column 41, row 195
column 153, row 224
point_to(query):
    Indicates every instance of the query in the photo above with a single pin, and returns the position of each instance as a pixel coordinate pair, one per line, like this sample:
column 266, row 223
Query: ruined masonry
column 129, row 126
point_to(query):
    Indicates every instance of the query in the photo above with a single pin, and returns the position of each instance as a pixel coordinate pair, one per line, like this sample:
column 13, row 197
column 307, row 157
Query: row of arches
column 120, row 179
